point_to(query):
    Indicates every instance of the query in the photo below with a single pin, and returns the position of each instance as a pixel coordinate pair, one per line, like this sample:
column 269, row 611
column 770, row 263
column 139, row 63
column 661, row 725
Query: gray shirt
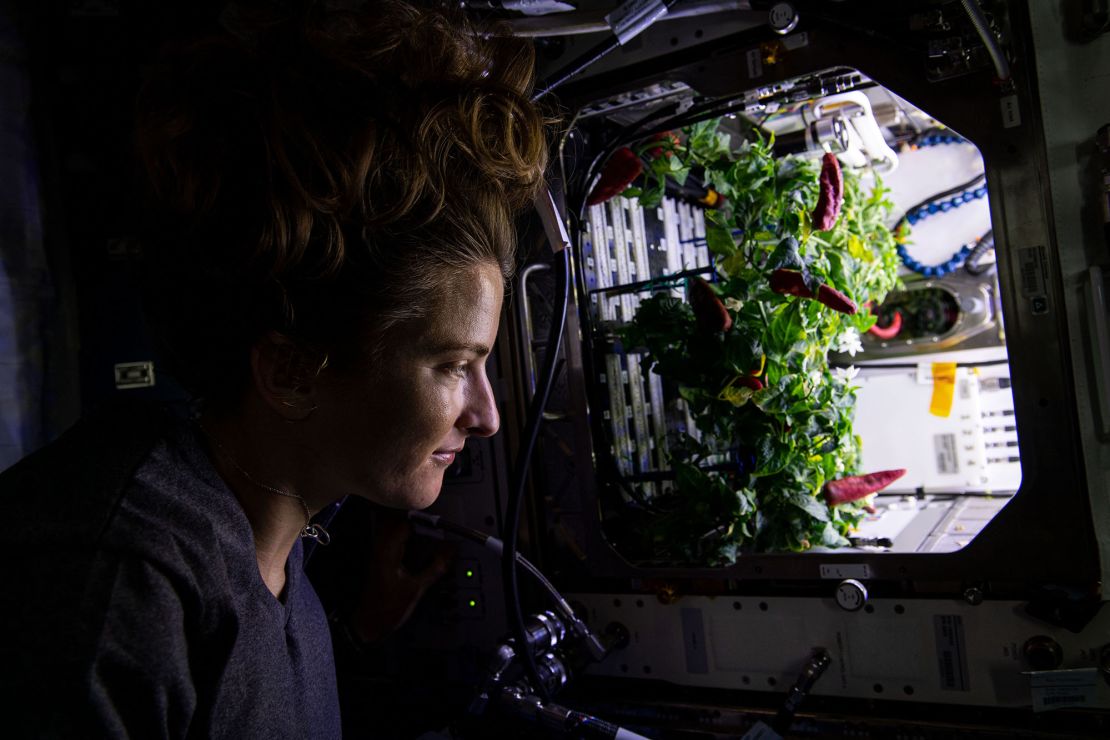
column 153, row 620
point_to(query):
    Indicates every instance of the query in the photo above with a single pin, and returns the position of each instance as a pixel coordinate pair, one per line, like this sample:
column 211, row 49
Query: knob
column 851, row 595
column 782, row 18
column 1043, row 653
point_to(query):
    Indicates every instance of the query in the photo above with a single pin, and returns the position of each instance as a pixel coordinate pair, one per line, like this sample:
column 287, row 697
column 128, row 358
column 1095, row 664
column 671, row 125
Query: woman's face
column 389, row 435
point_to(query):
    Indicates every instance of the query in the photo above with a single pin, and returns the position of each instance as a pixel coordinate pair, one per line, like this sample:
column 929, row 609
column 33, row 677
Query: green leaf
column 816, row 509
column 720, row 240
column 771, row 456
column 832, row 538
column 786, row 256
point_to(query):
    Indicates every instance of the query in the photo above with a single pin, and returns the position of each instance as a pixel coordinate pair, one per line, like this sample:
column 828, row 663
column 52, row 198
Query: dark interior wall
column 69, row 312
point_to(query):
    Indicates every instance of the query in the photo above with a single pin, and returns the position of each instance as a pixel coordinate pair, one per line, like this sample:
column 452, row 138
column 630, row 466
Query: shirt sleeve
column 139, row 680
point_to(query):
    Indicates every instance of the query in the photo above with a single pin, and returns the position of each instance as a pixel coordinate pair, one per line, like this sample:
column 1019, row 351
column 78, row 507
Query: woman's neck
column 262, row 463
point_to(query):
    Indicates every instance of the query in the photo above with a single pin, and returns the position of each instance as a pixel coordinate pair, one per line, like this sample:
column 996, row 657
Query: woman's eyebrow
column 477, row 348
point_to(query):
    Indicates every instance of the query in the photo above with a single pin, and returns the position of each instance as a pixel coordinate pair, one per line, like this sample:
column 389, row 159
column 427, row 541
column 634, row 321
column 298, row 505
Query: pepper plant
column 750, row 356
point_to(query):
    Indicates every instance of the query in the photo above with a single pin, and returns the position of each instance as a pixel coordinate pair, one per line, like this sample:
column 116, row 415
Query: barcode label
column 755, row 63
column 1030, row 281
column 951, row 652
column 948, row 463
column 1070, row 687
column 1033, row 272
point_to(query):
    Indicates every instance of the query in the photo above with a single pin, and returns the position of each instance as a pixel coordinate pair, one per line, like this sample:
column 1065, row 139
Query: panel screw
column 974, row 596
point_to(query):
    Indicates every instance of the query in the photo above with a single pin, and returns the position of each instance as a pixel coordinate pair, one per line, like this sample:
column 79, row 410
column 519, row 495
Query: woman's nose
column 480, row 417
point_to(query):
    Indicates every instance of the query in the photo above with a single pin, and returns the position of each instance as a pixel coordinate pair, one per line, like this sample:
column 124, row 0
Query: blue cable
column 922, row 212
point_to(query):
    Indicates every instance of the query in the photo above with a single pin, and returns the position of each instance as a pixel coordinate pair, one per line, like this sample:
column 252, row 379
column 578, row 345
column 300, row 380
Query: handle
column 1100, row 345
column 528, row 331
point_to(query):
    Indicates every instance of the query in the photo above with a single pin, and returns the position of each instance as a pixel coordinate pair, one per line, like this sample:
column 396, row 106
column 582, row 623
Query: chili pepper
column 712, row 199
column 856, row 487
column 791, row 282
column 834, row 299
column 831, row 195
column 656, row 152
column 619, row 172
column 888, row 332
column 749, row 382
column 759, row 370
column 710, row 313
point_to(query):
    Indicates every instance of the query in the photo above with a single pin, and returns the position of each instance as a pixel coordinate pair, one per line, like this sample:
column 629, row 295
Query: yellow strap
column 944, row 386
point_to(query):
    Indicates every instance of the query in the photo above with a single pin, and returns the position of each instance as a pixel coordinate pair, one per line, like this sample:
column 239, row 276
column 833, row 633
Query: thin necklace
column 310, row 530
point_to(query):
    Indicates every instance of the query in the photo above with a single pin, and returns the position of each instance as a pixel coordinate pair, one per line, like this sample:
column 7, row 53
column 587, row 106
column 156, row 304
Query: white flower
column 846, row 374
column 849, row 342
column 733, row 304
column 815, row 377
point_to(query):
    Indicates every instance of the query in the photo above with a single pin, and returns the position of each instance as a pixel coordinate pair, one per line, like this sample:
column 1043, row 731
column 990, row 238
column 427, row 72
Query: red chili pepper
column 791, row 282
column 619, row 172
column 831, row 193
column 710, row 313
column 836, row 300
column 658, row 151
column 749, row 382
column 888, row 332
column 856, row 487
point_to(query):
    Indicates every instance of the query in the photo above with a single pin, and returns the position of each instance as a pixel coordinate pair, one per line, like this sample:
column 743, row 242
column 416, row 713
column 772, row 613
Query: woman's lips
column 445, row 456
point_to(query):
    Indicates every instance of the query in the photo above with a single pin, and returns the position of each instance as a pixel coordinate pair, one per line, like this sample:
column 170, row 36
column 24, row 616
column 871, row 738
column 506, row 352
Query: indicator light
column 469, row 573
column 472, row 603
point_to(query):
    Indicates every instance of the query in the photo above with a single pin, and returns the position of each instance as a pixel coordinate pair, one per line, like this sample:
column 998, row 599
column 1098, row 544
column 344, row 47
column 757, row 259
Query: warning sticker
column 1034, row 278
column 951, row 652
column 947, row 461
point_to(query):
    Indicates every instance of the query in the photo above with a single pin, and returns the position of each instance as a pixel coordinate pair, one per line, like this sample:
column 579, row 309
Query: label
column 1061, row 689
column 693, row 639
column 947, row 461
column 846, row 570
column 1033, row 272
column 1011, row 113
column 951, row 652
column 944, row 387
column 755, row 63
column 134, row 375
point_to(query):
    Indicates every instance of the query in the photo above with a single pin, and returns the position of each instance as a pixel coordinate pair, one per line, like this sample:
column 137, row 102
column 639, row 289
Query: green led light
column 470, row 574
column 473, row 603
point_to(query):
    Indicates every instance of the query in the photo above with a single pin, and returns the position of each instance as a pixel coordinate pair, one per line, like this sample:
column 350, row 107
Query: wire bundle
column 948, row 200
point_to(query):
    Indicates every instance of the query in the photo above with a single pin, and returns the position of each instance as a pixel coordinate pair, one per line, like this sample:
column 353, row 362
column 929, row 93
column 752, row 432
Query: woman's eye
column 457, row 369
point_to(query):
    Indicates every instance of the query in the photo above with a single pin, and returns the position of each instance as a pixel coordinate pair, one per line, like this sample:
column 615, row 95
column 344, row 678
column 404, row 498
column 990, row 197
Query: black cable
column 984, row 245
column 577, row 626
column 580, row 63
column 972, row 183
column 520, row 471
column 592, row 55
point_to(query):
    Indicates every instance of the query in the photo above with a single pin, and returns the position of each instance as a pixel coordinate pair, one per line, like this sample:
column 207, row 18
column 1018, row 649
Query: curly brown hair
column 321, row 177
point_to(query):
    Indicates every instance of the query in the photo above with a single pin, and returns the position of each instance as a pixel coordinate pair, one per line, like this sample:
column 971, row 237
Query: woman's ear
column 285, row 376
